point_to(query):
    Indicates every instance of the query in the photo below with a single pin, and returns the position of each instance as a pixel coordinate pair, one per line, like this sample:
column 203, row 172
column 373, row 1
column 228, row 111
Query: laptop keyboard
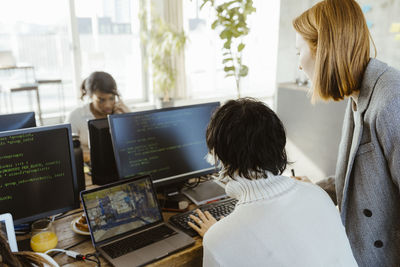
column 134, row 242
column 217, row 209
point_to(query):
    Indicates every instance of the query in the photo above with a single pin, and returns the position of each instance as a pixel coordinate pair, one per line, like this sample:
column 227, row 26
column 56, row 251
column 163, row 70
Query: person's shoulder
column 388, row 83
column 83, row 109
column 79, row 112
column 387, row 95
column 314, row 191
column 385, row 83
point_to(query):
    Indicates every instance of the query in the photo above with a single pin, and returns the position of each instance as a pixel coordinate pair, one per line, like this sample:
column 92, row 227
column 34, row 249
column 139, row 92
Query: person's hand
column 204, row 221
column 120, row 108
column 302, row 179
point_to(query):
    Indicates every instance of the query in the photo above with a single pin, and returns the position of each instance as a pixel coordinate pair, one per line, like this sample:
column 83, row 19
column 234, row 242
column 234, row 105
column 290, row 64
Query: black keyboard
column 137, row 241
column 217, row 209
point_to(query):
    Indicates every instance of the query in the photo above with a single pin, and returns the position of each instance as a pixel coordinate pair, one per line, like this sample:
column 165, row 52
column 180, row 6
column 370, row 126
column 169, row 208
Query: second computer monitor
column 17, row 121
column 169, row 144
column 37, row 177
column 102, row 158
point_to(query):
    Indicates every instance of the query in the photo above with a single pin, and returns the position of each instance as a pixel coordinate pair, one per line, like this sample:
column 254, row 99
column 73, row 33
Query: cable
column 73, row 245
column 68, row 214
column 194, row 184
column 70, row 253
column 96, row 255
column 77, row 255
column 200, row 179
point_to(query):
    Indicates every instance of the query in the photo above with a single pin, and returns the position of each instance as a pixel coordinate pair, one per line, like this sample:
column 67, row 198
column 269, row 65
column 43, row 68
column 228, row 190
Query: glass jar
column 43, row 235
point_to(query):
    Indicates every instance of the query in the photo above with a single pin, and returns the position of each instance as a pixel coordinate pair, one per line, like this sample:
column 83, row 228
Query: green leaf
column 225, row 34
column 231, row 68
column 219, row 9
column 205, row 2
column 240, row 47
column 227, row 60
column 214, row 24
column 244, row 70
column 227, row 44
column 229, row 75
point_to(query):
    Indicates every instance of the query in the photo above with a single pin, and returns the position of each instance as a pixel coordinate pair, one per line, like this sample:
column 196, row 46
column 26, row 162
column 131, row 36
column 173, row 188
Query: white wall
column 382, row 14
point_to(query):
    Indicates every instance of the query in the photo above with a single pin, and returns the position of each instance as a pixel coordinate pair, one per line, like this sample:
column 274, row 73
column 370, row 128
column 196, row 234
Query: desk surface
column 191, row 256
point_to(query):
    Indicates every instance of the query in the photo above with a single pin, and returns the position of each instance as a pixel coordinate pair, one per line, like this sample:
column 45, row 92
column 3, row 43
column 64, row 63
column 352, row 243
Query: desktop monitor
column 169, row 144
column 37, row 177
column 102, row 158
column 17, row 121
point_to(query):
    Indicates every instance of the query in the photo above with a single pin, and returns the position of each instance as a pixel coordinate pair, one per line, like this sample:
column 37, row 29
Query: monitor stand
column 205, row 192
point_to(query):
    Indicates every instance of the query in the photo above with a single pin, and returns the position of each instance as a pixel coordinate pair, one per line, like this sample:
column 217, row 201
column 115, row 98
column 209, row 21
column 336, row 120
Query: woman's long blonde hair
column 339, row 39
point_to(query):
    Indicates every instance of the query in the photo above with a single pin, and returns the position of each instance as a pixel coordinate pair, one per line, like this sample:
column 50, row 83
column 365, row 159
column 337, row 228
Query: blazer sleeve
column 388, row 134
column 328, row 185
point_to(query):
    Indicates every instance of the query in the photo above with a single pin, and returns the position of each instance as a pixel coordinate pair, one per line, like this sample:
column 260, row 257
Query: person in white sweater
column 278, row 221
column 105, row 99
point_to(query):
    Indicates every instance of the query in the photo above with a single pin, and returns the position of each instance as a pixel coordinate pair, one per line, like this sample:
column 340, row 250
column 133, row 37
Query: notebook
column 126, row 224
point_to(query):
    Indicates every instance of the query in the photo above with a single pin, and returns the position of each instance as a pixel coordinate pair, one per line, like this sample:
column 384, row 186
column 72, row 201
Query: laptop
column 126, row 224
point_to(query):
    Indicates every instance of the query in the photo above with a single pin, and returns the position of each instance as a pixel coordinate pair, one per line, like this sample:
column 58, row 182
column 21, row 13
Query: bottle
column 80, row 175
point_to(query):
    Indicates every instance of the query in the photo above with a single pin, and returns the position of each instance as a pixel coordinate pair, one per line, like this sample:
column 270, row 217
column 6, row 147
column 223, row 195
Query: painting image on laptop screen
column 122, row 208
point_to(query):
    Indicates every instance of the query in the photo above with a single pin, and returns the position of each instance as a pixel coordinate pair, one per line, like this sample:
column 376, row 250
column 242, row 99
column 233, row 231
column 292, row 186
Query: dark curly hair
column 248, row 138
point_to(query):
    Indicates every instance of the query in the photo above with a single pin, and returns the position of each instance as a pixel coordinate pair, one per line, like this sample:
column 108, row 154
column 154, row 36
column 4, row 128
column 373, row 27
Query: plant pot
column 164, row 104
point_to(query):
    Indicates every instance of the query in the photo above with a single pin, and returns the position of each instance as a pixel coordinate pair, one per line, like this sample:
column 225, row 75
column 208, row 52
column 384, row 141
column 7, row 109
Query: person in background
column 333, row 44
column 278, row 221
column 23, row 258
column 105, row 100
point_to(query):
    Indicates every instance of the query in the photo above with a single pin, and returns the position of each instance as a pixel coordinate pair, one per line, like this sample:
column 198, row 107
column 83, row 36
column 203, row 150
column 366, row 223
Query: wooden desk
column 68, row 239
column 191, row 256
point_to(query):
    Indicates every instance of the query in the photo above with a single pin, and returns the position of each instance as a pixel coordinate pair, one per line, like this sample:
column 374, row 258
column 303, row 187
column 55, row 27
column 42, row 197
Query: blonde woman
column 333, row 43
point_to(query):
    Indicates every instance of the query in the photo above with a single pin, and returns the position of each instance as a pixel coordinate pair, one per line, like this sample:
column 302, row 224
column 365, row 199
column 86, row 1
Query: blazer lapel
column 374, row 70
column 355, row 142
column 344, row 152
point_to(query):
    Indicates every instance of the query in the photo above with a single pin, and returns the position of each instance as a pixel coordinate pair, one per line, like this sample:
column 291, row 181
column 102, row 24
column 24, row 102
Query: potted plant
column 231, row 21
column 163, row 43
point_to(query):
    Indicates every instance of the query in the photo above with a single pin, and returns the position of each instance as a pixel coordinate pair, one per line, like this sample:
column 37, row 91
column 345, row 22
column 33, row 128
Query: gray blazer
column 368, row 169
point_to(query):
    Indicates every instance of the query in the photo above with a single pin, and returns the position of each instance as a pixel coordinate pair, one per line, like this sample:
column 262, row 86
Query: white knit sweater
column 278, row 221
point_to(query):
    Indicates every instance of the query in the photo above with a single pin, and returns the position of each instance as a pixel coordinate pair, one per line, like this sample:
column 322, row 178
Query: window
column 205, row 75
column 36, row 33
column 110, row 41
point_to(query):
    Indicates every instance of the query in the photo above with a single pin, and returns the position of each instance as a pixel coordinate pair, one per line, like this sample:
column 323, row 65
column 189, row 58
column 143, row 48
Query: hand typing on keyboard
column 204, row 221
column 216, row 210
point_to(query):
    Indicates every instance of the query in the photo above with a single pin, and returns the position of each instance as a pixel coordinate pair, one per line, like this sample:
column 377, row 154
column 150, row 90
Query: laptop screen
column 121, row 208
